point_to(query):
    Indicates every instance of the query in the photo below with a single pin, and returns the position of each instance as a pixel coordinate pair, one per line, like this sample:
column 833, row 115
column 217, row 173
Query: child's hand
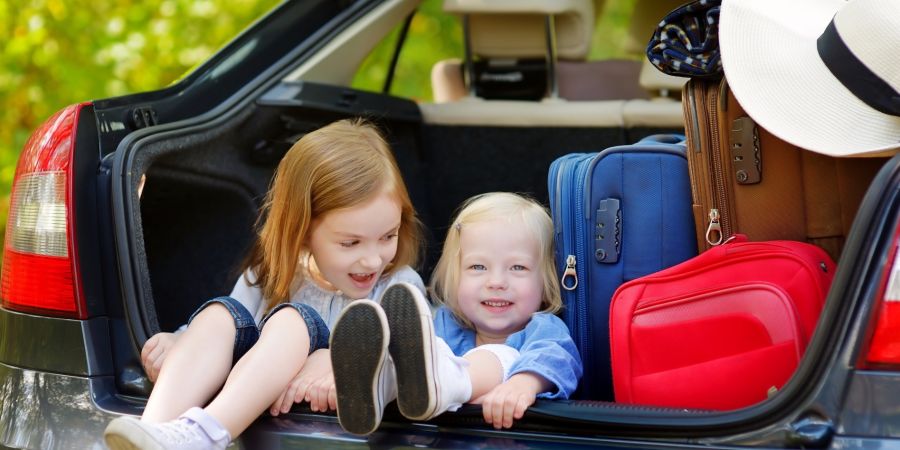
column 510, row 399
column 321, row 393
column 154, row 352
column 314, row 384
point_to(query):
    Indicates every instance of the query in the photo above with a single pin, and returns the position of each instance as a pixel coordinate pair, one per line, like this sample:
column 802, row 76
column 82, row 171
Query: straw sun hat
column 821, row 74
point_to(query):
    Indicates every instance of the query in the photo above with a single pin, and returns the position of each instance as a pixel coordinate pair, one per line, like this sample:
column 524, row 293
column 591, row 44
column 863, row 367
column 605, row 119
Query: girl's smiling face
column 500, row 282
column 351, row 247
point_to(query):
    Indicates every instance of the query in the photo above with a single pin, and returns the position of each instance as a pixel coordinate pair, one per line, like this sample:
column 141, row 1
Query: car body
column 124, row 260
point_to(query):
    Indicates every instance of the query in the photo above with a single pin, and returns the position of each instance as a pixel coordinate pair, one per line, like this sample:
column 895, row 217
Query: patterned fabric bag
column 686, row 41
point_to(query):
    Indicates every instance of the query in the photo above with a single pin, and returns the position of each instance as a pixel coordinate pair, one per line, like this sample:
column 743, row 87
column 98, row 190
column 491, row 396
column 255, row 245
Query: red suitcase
column 720, row 331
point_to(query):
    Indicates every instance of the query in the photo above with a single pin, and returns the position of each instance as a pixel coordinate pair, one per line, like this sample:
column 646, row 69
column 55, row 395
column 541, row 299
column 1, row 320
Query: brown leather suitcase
column 745, row 180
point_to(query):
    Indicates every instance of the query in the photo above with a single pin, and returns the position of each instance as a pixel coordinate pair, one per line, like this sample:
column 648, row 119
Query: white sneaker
column 363, row 373
column 194, row 430
column 430, row 378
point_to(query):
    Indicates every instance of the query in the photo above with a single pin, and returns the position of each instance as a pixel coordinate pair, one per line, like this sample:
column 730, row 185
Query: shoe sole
column 358, row 346
column 409, row 319
column 127, row 435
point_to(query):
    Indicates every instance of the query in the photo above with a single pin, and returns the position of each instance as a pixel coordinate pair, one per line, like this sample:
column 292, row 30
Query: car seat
column 530, row 50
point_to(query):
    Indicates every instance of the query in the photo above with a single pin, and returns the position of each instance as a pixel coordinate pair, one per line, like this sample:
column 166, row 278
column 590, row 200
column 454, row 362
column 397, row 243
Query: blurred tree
column 433, row 36
column 57, row 52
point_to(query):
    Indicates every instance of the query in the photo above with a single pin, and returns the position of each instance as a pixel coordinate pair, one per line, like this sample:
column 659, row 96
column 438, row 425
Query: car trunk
column 193, row 222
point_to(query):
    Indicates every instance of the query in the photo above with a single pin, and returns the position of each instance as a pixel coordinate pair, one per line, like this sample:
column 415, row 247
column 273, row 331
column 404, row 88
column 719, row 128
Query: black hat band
column 854, row 75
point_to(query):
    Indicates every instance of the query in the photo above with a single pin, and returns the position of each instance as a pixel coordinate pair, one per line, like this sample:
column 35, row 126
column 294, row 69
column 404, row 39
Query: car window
column 434, row 35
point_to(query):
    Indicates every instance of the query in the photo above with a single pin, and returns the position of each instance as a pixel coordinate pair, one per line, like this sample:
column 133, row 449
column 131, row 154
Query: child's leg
column 430, row 378
column 489, row 367
column 484, row 371
column 253, row 383
column 363, row 374
column 289, row 335
column 200, row 360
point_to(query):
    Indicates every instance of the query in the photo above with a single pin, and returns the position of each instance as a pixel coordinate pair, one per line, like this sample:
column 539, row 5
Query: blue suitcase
column 619, row 214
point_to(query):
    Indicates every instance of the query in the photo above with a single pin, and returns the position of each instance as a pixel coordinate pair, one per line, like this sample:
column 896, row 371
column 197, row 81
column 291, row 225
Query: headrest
column 517, row 28
column 653, row 80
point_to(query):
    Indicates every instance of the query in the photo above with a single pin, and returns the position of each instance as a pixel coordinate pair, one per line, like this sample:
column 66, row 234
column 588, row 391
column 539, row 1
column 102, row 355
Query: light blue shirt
column 545, row 348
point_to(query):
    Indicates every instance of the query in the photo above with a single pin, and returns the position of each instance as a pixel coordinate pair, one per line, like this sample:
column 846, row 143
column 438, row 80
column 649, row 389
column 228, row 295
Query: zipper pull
column 714, row 231
column 569, row 272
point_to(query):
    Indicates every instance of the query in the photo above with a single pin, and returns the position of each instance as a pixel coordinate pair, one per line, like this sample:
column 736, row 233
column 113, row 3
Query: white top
column 327, row 302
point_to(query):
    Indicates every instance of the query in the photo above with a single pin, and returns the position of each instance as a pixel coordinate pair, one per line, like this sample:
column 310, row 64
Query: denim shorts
column 247, row 333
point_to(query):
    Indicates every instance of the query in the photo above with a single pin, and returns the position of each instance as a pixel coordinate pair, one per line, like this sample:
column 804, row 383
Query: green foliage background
column 55, row 53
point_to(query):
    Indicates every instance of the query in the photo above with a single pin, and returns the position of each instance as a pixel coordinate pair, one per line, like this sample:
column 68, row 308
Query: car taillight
column 40, row 273
column 884, row 346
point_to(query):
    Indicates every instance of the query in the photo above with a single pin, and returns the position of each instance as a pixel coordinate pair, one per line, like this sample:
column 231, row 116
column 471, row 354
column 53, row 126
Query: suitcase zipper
column 566, row 183
column 720, row 103
column 703, row 104
column 569, row 279
column 715, row 158
column 718, row 172
column 569, row 272
column 580, row 238
column 714, row 230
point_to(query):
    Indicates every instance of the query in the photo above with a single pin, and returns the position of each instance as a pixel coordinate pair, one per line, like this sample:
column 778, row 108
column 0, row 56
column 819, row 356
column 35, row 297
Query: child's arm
column 548, row 366
column 314, row 384
column 154, row 352
column 510, row 399
column 546, row 348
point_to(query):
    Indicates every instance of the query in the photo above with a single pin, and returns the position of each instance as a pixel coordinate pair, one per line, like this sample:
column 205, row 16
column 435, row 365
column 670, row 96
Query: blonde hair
column 484, row 208
column 338, row 166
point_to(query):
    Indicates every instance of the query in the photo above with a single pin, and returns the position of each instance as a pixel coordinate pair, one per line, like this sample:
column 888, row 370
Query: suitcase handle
column 665, row 138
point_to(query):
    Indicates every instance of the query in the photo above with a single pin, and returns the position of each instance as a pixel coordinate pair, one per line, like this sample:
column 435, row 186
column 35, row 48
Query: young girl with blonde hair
column 494, row 341
column 337, row 225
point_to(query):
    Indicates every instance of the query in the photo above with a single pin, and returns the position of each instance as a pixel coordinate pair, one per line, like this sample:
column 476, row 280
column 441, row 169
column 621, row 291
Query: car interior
column 522, row 95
